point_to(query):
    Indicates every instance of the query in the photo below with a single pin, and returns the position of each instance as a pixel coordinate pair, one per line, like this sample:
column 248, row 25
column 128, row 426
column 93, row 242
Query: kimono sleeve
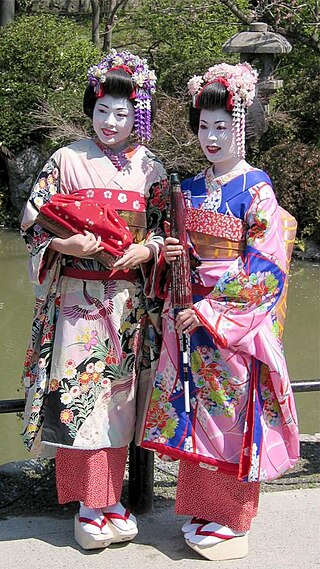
column 245, row 294
column 156, row 215
column 35, row 237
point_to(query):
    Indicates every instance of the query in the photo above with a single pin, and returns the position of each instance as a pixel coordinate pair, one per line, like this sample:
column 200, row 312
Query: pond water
column 301, row 339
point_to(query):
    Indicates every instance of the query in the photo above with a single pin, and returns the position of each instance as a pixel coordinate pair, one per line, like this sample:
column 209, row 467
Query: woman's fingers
column 171, row 252
column 171, row 241
column 182, row 316
column 126, row 262
column 92, row 243
column 186, row 321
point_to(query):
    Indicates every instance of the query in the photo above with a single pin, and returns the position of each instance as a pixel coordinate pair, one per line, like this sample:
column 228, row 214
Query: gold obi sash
column 289, row 230
column 210, row 247
column 137, row 222
column 215, row 235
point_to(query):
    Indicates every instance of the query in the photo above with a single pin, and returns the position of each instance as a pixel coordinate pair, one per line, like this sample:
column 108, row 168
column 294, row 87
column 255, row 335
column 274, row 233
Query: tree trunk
column 110, row 16
column 6, row 12
column 95, row 28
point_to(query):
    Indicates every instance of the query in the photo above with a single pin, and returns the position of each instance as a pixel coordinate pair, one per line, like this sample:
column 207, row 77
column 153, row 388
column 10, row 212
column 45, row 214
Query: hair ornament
column 143, row 80
column 240, row 81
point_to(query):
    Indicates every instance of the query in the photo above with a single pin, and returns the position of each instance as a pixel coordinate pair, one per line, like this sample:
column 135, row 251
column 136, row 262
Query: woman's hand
column 171, row 249
column 134, row 256
column 77, row 245
column 187, row 320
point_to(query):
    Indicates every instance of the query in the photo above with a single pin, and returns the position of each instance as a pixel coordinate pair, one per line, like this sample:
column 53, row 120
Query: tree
column 110, row 18
column 95, row 29
column 7, row 9
column 106, row 10
column 180, row 38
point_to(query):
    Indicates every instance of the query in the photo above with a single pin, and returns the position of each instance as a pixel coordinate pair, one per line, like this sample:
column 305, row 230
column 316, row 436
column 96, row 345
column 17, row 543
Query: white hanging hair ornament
column 239, row 80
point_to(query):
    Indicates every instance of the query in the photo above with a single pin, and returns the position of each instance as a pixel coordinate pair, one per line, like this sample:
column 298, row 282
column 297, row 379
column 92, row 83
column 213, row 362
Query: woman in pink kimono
column 89, row 324
column 241, row 427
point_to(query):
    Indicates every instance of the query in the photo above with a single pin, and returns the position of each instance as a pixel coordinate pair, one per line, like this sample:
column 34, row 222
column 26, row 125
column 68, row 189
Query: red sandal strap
column 91, row 522
column 115, row 516
column 201, row 531
column 104, row 522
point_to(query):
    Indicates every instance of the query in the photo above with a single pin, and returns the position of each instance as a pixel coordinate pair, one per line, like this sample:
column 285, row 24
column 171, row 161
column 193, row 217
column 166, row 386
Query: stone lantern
column 258, row 44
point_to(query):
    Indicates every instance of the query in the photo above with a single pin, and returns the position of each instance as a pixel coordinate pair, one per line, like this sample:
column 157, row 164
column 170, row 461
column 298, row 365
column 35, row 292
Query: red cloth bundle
column 69, row 214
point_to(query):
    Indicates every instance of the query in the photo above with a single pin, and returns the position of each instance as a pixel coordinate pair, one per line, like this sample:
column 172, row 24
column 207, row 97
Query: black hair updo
column 214, row 96
column 118, row 83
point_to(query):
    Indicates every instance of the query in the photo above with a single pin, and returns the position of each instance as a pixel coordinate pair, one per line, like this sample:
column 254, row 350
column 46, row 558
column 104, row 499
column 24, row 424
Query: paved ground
column 284, row 535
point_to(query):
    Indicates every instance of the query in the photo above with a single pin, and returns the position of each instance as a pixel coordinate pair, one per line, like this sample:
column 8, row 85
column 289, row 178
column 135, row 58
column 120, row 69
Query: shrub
column 172, row 139
column 294, row 170
column 300, row 95
column 42, row 58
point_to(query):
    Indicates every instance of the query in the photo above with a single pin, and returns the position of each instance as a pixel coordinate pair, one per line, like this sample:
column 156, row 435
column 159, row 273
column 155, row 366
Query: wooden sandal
column 120, row 534
column 218, row 545
column 89, row 540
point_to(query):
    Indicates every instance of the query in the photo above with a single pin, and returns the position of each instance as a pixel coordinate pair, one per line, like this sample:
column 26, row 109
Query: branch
column 55, row 126
column 116, row 7
column 243, row 17
column 296, row 36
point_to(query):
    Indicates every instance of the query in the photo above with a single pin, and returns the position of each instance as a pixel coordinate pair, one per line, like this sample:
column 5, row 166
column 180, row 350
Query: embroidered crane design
column 102, row 312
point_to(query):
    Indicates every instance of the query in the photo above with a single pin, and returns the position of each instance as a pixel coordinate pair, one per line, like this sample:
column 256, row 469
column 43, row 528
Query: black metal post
column 141, row 478
column 17, row 405
column 305, row 386
column 12, row 405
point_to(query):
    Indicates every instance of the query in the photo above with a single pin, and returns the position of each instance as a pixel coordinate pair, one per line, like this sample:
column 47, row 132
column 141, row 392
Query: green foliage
column 180, row 38
column 294, row 170
column 300, row 96
column 41, row 58
column 24, row 6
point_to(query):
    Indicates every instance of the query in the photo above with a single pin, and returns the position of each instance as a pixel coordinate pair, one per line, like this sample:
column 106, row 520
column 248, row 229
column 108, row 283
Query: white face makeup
column 113, row 120
column 215, row 135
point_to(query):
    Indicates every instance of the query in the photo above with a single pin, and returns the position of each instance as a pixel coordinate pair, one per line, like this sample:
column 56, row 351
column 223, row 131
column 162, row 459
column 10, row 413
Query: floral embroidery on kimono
column 90, row 337
column 242, row 418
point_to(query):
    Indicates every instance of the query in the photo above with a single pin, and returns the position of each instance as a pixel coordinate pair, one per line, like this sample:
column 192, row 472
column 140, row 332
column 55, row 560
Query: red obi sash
column 69, row 214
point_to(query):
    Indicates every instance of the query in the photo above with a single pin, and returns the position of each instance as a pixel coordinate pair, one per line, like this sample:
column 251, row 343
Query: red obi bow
column 69, row 214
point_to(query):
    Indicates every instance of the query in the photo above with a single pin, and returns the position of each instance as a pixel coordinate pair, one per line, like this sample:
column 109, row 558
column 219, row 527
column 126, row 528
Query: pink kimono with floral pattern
column 242, row 419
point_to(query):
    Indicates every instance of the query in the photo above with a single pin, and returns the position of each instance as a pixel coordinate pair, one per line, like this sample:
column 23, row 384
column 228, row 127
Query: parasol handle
column 185, row 364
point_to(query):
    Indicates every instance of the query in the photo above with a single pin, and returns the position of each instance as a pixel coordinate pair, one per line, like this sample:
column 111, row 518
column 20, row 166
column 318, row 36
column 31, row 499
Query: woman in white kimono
column 80, row 371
